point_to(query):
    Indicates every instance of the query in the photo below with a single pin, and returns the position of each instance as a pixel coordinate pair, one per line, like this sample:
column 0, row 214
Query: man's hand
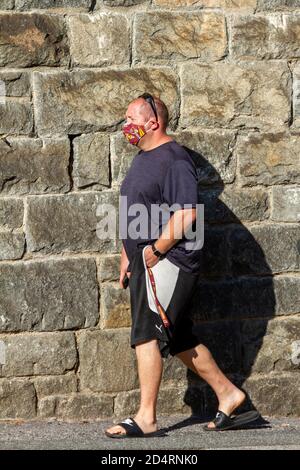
column 122, row 274
column 150, row 258
column 123, row 268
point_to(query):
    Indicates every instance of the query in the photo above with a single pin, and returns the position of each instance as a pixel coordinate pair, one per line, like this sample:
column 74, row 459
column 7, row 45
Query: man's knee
column 147, row 342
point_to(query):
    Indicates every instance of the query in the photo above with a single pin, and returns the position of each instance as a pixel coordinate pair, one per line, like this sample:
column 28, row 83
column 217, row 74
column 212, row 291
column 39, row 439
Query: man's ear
column 154, row 125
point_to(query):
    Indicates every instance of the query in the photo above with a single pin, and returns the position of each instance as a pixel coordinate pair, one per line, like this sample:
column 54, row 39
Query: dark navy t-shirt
column 164, row 176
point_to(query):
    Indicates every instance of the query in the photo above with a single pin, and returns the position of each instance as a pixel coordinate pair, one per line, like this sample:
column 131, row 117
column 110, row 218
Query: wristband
column 156, row 252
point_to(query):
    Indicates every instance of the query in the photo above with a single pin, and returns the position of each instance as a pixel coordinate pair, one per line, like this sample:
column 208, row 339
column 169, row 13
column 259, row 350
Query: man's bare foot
column 146, row 426
column 230, row 403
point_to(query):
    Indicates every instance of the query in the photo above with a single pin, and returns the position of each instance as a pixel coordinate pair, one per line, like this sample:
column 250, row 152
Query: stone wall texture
column 229, row 72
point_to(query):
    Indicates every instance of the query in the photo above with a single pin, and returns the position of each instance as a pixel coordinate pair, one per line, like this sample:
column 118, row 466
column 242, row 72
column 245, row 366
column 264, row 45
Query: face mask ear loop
column 147, row 123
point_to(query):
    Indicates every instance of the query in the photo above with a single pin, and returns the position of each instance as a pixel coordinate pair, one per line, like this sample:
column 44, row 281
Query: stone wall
column 229, row 71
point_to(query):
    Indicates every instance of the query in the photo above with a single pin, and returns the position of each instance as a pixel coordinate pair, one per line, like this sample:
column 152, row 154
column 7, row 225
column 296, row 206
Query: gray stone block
column 75, row 223
column 277, row 5
column 296, row 97
column 224, row 342
column 15, row 116
column 167, row 36
column 39, row 354
column 109, row 268
column 24, row 5
column 16, row 82
column 287, row 289
column 32, row 39
column 247, row 297
column 11, row 213
column 107, row 362
column 234, row 205
column 228, row 4
column 7, row 4
column 286, row 204
column 91, row 161
column 55, row 385
column 174, row 371
column 275, row 395
column 48, row 295
column 115, row 307
column 31, row 166
column 248, row 94
column 170, row 401
column 11, row 245
column 125, row 3
column 214, row 152
column 101, row 39
column 268, row 159
column 17, row 399
column 79, row 406
column 265, row 37
column 215, row 261
column 256, row 251
column 275, row 344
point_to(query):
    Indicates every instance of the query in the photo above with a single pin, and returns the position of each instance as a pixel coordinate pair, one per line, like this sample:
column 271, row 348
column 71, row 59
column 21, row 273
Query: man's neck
column 150, row 146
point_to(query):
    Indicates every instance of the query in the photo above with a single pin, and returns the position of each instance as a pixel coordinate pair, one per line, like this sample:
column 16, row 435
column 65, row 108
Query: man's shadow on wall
column 234, row 299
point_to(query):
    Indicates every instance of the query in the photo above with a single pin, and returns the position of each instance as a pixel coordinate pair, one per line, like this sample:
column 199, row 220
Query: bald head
column 143, row 109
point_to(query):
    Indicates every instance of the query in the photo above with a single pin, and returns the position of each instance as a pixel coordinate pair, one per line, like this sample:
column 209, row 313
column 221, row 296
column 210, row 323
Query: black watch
column 156, row 252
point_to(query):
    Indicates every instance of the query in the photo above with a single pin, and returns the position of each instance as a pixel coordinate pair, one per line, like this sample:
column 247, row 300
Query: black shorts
column 148, row 325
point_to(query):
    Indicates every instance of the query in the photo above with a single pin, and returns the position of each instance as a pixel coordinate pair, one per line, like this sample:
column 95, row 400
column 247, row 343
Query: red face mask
column 134, row 133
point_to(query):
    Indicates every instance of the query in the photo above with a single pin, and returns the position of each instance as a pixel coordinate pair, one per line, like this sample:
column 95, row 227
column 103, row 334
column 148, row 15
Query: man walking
column 163, row 273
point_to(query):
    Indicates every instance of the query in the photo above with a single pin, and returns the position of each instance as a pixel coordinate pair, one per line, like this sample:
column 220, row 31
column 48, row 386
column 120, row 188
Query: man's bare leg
column 200, row 361
column 150, row 368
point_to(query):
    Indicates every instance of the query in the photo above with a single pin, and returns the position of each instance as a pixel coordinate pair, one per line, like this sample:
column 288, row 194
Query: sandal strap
column 222, row 420
column 131, row 426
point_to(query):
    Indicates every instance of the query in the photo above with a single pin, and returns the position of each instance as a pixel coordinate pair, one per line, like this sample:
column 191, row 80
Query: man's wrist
column 157, row 252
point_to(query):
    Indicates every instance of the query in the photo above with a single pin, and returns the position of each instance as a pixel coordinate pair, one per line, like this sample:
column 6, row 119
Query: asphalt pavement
column 181, row 433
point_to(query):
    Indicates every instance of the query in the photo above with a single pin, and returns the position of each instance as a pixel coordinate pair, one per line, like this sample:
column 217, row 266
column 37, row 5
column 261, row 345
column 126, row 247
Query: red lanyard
column 160, row 309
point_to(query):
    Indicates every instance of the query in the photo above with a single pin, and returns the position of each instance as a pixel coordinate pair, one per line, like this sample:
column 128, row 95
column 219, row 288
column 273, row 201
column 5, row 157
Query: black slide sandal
column 223, row 422
column 132, row 430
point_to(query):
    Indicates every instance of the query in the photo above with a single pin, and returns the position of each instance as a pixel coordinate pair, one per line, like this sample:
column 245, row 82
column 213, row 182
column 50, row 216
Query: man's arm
column 174, row 231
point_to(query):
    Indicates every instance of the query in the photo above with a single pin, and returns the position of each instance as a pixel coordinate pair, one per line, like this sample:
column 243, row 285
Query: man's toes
column 211, row 425
column 116, row 430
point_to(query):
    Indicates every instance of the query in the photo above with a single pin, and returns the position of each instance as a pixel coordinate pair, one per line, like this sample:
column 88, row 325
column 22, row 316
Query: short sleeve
column 180, row 185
